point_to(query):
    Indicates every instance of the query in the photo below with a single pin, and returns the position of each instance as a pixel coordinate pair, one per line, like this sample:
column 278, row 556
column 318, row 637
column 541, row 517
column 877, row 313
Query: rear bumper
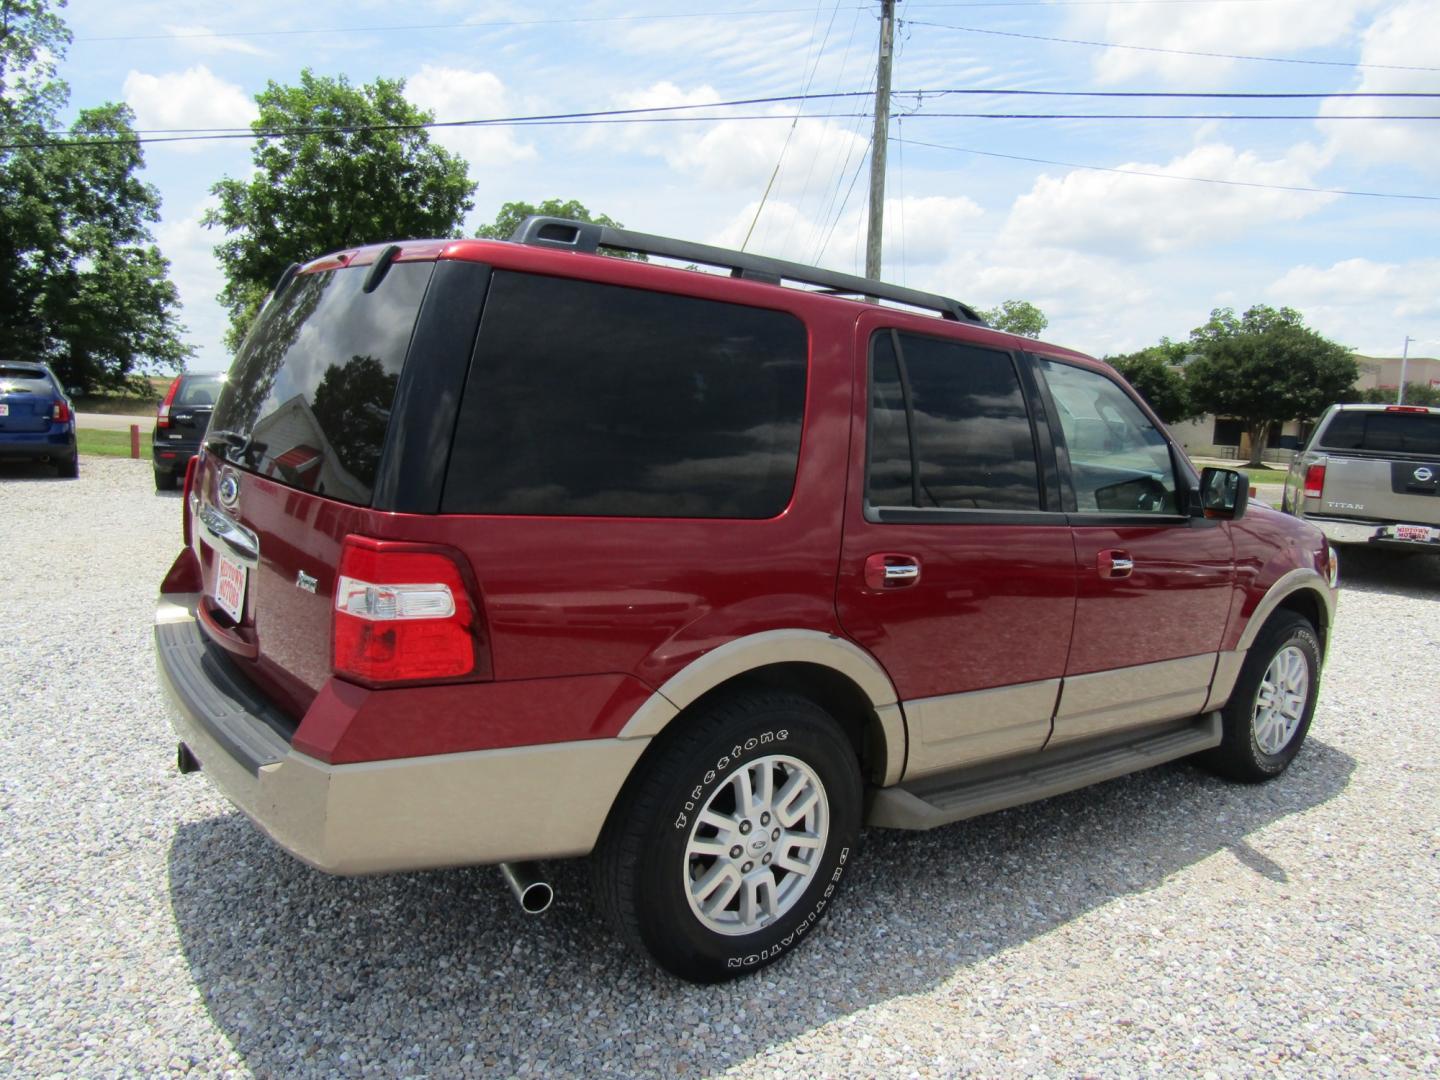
column 485, row 806
column 172, row 456
column 1377, row 533
column 57, row 445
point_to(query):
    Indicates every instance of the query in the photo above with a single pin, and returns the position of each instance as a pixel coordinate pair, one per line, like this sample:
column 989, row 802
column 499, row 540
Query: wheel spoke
column 744, row 794
column 795, row 800
column 716, row 888
column 715, row 848
column 724, row 825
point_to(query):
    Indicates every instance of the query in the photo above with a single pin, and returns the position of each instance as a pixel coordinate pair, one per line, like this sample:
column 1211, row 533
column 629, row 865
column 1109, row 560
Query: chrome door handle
column 887, row 571
column 1114, row 563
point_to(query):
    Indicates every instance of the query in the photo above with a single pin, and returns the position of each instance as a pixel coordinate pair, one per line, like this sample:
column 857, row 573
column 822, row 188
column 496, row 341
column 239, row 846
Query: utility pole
column 877, row 145
column 1404, row 360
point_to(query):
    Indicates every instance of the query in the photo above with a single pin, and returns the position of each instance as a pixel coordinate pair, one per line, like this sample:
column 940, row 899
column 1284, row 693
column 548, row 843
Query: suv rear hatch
column 27, row 400
column 291, row 461
column 1380, row 465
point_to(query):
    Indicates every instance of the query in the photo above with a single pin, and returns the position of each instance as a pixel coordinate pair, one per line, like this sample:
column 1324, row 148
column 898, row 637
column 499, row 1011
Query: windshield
column 307, row 401
column 1383, row 432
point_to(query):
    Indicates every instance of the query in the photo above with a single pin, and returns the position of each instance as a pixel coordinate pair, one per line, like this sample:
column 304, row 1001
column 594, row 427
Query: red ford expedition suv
column 507, row 551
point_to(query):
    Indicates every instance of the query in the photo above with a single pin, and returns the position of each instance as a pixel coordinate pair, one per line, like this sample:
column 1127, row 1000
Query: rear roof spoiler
column 587, row 238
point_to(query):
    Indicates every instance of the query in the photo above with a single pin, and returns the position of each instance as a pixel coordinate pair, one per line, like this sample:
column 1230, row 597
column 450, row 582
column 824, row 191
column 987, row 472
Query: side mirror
column 1224, row 494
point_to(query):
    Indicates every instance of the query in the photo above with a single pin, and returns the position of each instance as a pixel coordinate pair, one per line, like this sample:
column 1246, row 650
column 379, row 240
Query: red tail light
column 1406, row 408
column 1314, row 481
column 185, row 510
column 402, row 613
column 162, row 414
column 60, row 413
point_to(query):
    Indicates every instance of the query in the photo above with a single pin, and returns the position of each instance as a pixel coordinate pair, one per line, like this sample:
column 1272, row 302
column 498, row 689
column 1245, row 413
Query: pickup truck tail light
column 403, row 613
column 1314, row 481
column 162, row 414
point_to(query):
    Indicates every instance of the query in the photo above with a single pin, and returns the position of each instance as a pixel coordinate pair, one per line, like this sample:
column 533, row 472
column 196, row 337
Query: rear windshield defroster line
column 310, row 393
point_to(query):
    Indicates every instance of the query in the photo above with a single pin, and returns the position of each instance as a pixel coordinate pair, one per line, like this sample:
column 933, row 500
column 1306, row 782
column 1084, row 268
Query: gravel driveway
column 1163, row 923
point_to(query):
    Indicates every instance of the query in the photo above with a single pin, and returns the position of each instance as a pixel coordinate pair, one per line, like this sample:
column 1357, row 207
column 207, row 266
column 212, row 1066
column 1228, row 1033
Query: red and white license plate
column 229, row 586
column 1413, row 532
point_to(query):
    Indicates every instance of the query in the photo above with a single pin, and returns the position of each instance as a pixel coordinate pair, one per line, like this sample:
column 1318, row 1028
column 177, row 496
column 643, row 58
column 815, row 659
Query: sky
column 981, row 208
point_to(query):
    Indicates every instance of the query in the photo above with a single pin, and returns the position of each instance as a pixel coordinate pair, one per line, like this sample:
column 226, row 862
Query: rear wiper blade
column 243, row 445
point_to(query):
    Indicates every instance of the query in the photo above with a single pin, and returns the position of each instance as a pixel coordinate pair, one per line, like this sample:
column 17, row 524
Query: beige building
column 1216, row 437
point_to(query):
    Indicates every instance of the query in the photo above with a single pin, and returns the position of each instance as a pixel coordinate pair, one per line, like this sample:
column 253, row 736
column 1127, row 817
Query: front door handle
column 888, row 571
column 1114, row 563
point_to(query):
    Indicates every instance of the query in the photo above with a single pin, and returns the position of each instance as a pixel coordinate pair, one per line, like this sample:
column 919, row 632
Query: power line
column 1173, row 52
column 1172, row 176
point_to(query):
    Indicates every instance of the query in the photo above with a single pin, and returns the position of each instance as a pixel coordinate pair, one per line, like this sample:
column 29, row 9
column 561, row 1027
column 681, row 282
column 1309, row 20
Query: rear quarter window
column 599, row 400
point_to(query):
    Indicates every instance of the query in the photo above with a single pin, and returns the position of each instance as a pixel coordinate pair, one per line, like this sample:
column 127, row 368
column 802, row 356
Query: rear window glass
column 593, row 400
column 16, row 373
column 1383, row 433
column 197, row 391
column 314, row 382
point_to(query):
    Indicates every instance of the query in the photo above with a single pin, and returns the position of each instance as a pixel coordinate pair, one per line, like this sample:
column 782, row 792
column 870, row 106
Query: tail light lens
column 402, row 613
column 60, row 413
column 1314, row 481
column 162, row 414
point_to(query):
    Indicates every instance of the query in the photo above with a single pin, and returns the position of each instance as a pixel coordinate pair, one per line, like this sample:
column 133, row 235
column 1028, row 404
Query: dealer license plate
column 1413, row 532
column 229, row 586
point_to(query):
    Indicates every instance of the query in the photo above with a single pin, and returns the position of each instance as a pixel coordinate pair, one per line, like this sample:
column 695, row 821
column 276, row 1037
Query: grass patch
column 108, row 443
column 1265, row 476
column 115, row 405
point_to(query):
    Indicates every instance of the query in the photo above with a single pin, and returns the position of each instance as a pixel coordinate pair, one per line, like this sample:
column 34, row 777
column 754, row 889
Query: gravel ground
column 1164, row 923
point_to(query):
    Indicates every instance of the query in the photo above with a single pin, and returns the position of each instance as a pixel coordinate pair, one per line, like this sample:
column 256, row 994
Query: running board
column 940, row 800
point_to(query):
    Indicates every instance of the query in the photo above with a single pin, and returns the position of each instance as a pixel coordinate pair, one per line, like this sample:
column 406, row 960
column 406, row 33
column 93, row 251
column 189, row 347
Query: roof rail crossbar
column 587, row 237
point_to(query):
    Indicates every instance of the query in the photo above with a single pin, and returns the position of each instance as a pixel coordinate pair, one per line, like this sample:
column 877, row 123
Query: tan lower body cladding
column 960, row 730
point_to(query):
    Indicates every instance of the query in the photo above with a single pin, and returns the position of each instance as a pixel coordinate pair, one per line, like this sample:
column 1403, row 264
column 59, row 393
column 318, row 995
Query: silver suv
column 1371, row 475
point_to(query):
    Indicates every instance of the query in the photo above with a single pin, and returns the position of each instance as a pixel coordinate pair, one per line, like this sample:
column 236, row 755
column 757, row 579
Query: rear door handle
column 1114, row 563
column 887, row 571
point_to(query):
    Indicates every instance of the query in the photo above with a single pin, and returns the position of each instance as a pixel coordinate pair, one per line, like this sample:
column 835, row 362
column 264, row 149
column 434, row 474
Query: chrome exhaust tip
column 533, row 894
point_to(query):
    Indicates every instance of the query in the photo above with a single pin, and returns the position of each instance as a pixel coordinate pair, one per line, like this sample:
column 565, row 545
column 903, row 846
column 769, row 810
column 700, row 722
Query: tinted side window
column 1119, row 462
column 598, row 400
column 971, row 433
column 1383, row 432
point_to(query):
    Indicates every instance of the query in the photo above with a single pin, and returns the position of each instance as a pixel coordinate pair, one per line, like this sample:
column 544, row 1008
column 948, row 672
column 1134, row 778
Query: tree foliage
column 1415, row 394
column 84, row 286
column 1017, row 317
column 1266, row 367
column 344, row 166
column 513, row 213
column 1156, row 375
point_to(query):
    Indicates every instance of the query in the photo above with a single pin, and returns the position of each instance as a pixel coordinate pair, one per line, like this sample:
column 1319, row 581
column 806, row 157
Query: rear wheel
column 1268, row 715
column 725, row 853
column 164, row 480
column 69, row 468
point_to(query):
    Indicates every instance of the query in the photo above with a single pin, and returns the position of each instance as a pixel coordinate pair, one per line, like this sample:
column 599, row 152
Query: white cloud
column 1283, row 29
column 1405, row 36
column 196, row 39
column 1142, row 215
column 459, row 94
column 1368, row 305
column 190, row 247
column 193, row 98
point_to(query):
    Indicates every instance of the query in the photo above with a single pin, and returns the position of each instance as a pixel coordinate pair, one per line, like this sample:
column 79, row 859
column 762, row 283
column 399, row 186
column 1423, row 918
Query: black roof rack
column 587, row 237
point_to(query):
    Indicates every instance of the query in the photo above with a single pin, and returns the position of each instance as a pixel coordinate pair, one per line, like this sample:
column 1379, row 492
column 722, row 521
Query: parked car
column 1370, row 475
column 37, row 419
column 500, row 552
column 180, row 422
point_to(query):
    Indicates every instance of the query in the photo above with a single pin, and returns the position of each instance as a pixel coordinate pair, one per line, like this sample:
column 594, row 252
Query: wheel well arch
column 1307, row 604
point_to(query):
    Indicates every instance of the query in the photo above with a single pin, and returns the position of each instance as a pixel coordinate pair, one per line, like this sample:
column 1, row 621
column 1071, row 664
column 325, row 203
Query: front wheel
column 1269, row 713
column 727, row 850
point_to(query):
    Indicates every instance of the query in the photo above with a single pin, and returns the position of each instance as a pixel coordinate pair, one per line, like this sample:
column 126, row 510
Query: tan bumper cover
column 488, row 806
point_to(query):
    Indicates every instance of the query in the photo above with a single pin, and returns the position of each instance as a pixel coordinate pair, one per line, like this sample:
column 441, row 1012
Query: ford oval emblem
column 1423, row 474
column 229, row 490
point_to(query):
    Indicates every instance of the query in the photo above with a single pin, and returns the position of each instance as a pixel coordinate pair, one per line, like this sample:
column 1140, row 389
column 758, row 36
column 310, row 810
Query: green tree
column 1415, row 394
column 336, row 166
column 1156, row 374
column 513, row 213
column 1017, row 317
column 84, row 286
column 1266, row 367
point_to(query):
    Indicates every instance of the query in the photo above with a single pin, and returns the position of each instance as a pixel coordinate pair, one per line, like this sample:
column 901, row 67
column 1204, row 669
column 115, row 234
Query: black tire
column 68, row 469
column 1243, row 753
column 164, row 480
column 643, row 874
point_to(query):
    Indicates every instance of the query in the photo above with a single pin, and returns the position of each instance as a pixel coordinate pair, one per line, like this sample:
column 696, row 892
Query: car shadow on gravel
column 1394, row 573
column 441, row 974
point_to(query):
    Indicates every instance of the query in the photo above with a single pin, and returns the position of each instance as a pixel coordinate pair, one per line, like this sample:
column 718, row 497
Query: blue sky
column 1115, row 259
